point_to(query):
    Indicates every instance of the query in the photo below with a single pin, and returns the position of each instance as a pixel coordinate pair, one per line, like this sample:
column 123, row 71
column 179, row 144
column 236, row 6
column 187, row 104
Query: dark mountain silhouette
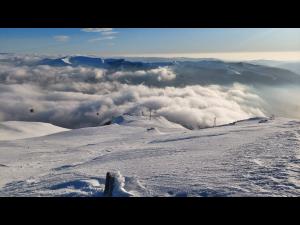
column 188, row 72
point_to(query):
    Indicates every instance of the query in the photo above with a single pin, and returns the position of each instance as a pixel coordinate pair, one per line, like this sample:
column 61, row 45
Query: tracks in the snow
column 270, row 165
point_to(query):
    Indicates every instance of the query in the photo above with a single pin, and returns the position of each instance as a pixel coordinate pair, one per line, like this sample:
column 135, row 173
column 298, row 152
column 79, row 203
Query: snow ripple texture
column 245, row 159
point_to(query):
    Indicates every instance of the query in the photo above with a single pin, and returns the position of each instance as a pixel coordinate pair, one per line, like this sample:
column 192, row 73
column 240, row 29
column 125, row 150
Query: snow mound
column 157, row 123
column 119, row 186
column 13, row 130
column 74, row 185
column 127, row 186
column 79, row 188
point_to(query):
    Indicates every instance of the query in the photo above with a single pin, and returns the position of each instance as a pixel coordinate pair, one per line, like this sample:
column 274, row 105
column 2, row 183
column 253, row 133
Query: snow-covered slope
column 292, row 66
column 155, row 123
column 13, row 130
column 254, row 157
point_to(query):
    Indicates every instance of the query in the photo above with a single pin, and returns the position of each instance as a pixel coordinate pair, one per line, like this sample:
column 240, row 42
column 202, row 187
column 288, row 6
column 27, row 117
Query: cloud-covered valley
column 85, row 94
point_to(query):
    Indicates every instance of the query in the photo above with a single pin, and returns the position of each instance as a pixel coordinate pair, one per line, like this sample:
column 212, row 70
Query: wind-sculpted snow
column 80, row 91
column 246, row 159
column 13, row 130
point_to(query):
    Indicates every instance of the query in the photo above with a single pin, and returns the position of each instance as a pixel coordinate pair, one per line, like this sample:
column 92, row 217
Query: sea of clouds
column 80, row 96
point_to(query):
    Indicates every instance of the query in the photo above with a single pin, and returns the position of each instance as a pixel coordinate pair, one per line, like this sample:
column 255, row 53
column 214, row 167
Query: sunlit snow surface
column 245, row 159
column 12, row 130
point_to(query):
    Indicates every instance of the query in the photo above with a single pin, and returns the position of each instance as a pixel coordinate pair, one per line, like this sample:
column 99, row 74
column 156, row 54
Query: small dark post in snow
column 215, row 121
column 150, row 113
column 109, row 185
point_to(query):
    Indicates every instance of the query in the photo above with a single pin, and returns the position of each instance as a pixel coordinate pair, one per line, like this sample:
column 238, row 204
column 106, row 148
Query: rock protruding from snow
column 119, row 184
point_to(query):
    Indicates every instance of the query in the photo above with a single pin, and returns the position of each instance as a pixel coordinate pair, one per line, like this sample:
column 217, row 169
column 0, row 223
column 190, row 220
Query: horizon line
column 234, row 56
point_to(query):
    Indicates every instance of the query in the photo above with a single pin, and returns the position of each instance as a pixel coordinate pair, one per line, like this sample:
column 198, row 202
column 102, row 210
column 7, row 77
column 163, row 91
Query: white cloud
column 71, row 96
column 97, row 29
column 62, row 38
column 102, row 38
column 160, row 74
column 106, row 33
column 109, row 33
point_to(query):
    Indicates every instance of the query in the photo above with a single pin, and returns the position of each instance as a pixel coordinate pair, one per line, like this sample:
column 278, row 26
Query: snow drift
column 246, row 159
column 13, row 130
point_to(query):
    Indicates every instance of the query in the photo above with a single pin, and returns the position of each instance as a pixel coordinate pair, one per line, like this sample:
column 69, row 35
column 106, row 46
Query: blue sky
column 149, row 41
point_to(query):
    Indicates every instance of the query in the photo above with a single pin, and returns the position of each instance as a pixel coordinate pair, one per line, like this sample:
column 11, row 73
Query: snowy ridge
column 66, row 60
column 247, row 158
column 204, row 70
column 155, row 122
column 13, row 130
